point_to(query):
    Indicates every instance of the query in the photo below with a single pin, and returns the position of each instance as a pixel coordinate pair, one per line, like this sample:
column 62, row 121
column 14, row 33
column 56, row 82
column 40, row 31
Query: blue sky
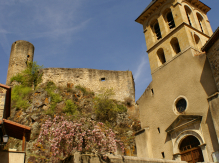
column 97, row 34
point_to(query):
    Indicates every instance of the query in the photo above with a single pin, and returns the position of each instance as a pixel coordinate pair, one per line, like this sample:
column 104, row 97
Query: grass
column 84, row 90
column 20, row 95
column 55, row 97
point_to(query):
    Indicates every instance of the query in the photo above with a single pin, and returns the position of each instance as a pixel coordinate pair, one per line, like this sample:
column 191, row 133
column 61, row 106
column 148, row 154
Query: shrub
column 55, row 97
column 31, row 76
column 107, row 109
column 84, row 90
column 121, row 108
column 60, row 137
column 20, row 95
column 70, row 107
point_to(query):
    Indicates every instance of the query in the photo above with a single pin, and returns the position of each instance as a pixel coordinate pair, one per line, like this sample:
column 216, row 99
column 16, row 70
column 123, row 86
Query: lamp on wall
column 5, row 139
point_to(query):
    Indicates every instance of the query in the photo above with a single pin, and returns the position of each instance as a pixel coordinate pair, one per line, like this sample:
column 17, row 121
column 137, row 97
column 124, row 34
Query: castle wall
column 21, row 53
column 121, row 81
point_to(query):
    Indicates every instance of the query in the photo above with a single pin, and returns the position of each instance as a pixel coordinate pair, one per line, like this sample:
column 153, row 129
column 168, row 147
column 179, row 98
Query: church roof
column 152, row 2
column 211, row 40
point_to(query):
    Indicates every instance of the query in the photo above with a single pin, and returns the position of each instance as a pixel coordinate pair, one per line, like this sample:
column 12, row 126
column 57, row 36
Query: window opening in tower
column 157, row 31
column 189, row 19
column 170, row 20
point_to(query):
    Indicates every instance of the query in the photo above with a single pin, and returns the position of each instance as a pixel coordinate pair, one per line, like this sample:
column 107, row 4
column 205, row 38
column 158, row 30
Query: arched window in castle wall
column 198, row 41
column 189, row 15
column 201, row 22
column 170, row 20
column 156, row 29
column 175, row 45
column 161, row 57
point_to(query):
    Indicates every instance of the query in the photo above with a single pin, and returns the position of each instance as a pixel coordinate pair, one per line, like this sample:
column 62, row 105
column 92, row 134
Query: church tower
column 171, row 27
column 174, row 110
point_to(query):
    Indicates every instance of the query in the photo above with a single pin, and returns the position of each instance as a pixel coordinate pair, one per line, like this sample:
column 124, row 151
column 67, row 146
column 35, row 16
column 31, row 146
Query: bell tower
column 171, row 27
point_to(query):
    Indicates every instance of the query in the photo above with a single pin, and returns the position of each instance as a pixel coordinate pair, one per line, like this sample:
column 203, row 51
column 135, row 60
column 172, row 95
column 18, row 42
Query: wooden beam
column 24, row 141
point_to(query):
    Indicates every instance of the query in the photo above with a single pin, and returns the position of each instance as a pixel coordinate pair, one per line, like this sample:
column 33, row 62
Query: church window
column 161, row 56
column 152, row 91
column 156, row 29
column 158, row 129
column 170, row 20
column 188, row 13
column 181, row 105
column 200, row 20
column 175, row 45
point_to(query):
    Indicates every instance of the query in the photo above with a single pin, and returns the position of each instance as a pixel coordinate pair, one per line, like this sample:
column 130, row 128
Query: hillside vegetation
column 68, row 119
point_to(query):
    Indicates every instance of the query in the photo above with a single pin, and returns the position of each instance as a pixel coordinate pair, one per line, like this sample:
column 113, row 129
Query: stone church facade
column 179, row 109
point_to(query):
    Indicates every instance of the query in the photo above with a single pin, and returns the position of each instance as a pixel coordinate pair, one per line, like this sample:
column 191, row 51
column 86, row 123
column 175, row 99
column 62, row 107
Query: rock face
column 48, row 102
column 40, row 98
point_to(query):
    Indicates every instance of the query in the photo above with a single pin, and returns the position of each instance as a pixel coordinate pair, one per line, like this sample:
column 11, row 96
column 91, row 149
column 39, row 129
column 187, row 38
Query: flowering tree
column 86, row 135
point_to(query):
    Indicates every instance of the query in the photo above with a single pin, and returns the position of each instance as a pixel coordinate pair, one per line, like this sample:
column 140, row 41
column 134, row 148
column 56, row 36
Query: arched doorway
column 190, row 150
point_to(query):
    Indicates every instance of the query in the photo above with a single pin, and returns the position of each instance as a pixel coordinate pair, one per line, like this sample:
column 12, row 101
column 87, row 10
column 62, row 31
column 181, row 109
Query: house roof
column 16, row 130
column 7, row 110
column 211, row 40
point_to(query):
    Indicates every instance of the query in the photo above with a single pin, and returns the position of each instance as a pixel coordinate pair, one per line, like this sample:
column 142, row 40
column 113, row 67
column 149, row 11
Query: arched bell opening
column 190, row 150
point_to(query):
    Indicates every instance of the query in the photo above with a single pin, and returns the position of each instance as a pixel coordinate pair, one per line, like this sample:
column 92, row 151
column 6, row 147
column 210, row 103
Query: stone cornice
column 152, row 7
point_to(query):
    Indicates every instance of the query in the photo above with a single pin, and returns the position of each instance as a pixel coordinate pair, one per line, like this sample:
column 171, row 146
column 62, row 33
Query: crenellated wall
column 122, row 82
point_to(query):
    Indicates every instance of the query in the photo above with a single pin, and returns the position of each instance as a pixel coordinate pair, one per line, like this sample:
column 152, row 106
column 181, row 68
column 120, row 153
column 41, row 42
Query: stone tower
column 21, row 53
column 172, row 26
column 174, row 105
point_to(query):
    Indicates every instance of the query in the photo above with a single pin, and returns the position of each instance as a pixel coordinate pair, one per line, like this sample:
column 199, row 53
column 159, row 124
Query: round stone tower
column 21, row 53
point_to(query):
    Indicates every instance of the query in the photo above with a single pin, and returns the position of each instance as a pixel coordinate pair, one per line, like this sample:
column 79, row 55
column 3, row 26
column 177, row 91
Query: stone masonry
column 21, row 53
column 122, row 82
column 213, row 57
column 2, row 101
column 86, row 158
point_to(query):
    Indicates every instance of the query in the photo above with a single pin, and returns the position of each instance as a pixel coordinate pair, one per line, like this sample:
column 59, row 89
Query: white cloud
column 141, row 68
column 60, row 32
column 4, row 40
